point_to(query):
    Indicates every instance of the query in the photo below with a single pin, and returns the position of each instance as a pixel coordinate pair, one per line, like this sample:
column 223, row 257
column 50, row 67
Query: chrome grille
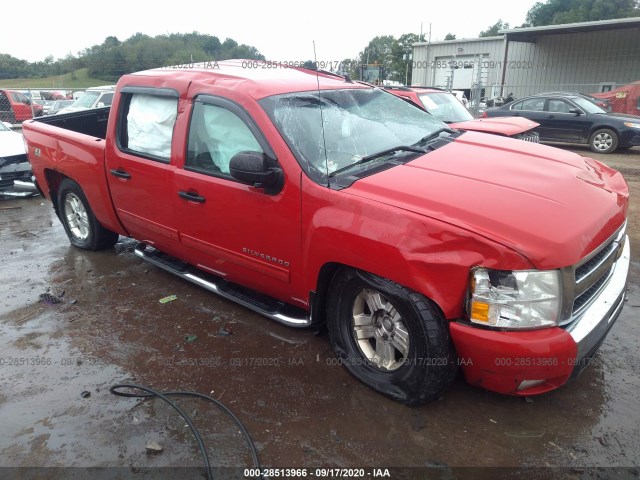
column 592, row 274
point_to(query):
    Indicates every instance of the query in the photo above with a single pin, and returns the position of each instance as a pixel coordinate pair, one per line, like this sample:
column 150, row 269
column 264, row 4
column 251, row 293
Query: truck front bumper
column 536, row 361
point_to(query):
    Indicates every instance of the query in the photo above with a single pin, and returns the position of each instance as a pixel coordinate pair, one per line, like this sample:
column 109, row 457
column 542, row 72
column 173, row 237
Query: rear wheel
column 391, row 338
column 82, row 227
column 603, row 141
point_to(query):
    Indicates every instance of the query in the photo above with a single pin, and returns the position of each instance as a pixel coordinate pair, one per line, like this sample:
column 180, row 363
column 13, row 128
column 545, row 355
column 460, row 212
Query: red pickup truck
column 310, row 198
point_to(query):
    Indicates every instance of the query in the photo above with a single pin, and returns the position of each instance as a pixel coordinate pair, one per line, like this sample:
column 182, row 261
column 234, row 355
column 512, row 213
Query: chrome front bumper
column 590, row 330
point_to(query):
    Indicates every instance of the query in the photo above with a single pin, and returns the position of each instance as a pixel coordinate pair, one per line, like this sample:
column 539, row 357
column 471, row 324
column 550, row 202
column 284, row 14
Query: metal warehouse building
column 587, row 57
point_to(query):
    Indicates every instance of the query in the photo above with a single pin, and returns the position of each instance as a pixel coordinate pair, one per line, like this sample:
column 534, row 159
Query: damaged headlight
column 514, row 299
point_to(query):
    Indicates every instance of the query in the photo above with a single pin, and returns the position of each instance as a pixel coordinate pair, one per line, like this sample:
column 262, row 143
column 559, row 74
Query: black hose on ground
column 151, row 393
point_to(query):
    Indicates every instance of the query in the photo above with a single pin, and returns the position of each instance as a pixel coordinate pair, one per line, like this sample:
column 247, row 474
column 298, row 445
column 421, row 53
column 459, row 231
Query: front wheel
column 603, row 141
column 82, row 227
column 391, row 338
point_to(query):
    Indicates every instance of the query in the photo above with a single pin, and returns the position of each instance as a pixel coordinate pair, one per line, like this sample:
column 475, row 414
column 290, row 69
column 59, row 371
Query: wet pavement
column 58, row 361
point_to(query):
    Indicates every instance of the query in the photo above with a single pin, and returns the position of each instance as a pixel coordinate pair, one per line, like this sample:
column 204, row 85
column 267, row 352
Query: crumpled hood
column 552, row 206
column 508, row 126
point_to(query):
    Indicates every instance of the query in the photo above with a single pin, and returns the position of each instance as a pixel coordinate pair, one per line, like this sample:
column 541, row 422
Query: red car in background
column 16, row 107
column 447, row 108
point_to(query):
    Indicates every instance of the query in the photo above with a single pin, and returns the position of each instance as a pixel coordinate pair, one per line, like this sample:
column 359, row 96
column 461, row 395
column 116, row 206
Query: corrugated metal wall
column 572, row 62
column 577, row 60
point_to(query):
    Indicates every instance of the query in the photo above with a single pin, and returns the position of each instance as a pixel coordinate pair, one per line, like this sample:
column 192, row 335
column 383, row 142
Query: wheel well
column 319, row 297
column 603, row 127
column 54, row 178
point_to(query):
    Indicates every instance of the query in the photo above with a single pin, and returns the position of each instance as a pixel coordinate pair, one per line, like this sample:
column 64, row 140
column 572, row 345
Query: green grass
column 64, row 82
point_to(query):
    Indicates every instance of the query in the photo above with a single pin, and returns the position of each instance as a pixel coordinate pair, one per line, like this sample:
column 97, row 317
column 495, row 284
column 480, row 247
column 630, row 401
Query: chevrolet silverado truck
column 310, row 198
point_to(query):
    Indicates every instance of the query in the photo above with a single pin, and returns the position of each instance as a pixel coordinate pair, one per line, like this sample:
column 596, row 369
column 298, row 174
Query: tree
column 402, row 52
column 449, row 36
column 350, row 67
column 493, row 30
column 394, row 54
column 378, row 50
column 556, row 12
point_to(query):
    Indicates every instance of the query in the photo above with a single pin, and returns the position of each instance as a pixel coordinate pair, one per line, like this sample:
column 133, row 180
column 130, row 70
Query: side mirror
column 255, row 168
column 100, row 105
column 577, row 111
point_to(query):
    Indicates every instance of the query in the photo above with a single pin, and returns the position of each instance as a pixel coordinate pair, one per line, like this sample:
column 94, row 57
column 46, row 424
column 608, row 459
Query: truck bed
column 92, row 122
column 72, row 146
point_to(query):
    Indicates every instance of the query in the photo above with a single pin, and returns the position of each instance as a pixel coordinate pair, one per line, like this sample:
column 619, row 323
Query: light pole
column 407, row 56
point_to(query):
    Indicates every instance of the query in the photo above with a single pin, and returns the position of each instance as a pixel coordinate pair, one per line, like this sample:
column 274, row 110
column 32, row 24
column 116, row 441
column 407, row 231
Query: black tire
column 82, row 227
column 429, row 364
column 603, row 140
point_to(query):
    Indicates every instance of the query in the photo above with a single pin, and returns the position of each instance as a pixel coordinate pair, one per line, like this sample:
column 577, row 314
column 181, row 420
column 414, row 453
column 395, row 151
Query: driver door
column 231, row 229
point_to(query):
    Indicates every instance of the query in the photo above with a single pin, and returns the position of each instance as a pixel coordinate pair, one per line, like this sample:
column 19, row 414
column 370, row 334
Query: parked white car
column 94, row 97
column 460, row 96
column 15, row 169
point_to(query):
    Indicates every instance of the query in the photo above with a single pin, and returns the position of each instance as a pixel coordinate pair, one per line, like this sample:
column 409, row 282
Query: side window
column 148, row 126
column 516, row 106
column 533, row 104
column 558, row 106
column 215, row 135
column 107, row 99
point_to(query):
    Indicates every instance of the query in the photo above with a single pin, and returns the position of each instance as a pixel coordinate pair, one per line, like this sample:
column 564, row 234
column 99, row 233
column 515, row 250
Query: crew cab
column 309, row 198
column 448, row 108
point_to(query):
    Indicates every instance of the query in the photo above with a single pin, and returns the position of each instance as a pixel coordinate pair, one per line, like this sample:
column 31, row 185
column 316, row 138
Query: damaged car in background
column 448, row 108
column 15, row 170
column 310, row 198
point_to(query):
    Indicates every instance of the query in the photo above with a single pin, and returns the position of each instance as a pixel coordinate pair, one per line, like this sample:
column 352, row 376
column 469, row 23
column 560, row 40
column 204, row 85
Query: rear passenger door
column 140, row 167
column 533, row 109
column 234, row 230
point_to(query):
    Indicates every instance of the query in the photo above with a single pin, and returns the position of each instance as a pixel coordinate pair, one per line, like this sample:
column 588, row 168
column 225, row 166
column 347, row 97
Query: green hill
column 77, row 79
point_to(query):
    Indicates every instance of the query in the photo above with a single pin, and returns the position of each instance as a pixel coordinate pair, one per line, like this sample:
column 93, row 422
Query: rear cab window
column 146, row 122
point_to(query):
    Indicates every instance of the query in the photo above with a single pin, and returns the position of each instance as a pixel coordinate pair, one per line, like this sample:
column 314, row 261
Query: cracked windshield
column 333, row 129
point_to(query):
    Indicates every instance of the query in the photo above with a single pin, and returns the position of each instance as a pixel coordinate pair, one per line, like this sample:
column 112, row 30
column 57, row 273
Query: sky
column 280, row 30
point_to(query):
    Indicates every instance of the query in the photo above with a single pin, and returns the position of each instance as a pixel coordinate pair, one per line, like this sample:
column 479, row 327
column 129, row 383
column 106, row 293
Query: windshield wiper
column 373, row 156
column 434, row 135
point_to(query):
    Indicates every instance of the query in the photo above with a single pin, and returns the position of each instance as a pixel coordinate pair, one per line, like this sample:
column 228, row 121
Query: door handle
column 120, row 174
column 191, row 196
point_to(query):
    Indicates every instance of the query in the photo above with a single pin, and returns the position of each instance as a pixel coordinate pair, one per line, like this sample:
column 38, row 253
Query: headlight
column 518, row 299
column 632, row 124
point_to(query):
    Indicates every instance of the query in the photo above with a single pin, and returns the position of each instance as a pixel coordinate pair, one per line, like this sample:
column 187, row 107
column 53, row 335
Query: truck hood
column 508, row 126
column 552, row 206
